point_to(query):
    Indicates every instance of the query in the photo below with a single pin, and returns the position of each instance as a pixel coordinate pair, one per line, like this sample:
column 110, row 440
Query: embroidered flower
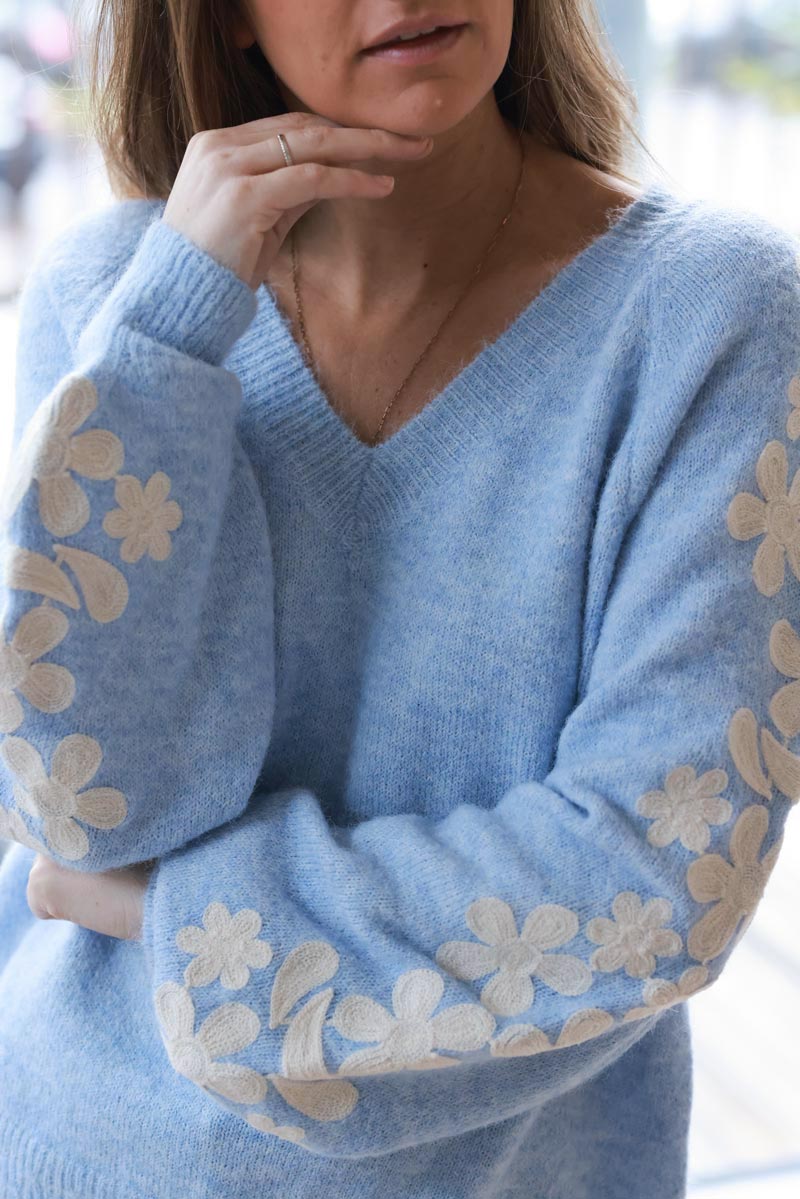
column 226, row 947
column 516, row 957
column 55, row 799
column 685, row 808
column 523, row 1040
column 407, row 1039
column 660, row 993
column 288, row 1132
column 48, row 687
column 737, row 886
column 636, row 938
column 793, row 420
column 777, row 516
column 13, row 828
column 49, row 451
column 144, row 517
column 229, row 1029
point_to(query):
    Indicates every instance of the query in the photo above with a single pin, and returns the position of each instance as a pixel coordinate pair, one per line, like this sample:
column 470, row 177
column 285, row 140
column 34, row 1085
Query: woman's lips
column 420, row 49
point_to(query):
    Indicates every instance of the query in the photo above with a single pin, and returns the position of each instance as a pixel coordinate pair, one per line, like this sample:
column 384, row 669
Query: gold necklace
column 301, row 315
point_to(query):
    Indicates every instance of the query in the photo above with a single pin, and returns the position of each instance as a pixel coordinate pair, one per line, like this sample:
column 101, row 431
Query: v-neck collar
column 358, row 488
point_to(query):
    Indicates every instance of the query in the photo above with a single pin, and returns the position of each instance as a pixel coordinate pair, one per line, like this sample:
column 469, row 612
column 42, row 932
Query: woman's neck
column 424, row 236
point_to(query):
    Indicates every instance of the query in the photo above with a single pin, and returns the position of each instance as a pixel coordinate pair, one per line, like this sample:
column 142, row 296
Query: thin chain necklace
column 301, row 315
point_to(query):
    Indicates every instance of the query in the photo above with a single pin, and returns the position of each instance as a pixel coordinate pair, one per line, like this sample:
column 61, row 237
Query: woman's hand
column 110, row 902
column 235, row 197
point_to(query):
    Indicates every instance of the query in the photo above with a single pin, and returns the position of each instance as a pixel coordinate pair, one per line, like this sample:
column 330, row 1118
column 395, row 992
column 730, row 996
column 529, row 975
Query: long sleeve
column 357, row 989
column 134, row 717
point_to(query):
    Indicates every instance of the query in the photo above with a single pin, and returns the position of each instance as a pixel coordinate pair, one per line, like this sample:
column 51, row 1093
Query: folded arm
column 361, row 988
column 132, row 519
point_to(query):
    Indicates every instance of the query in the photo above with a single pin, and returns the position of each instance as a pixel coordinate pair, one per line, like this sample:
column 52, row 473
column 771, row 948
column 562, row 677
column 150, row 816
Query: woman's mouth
column 422, row 48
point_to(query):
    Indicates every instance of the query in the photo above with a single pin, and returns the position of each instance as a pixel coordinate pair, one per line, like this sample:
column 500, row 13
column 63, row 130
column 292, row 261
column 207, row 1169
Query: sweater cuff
column 179, row 295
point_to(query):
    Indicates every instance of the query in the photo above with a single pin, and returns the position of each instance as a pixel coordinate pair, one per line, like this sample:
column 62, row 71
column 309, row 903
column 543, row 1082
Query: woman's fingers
column 109, row 902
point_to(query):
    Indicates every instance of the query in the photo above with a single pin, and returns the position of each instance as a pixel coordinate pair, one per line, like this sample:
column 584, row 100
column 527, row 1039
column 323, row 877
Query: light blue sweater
column 465, row 757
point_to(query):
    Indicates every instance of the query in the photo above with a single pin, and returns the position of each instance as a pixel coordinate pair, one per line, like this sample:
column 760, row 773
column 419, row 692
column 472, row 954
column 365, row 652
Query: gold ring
column 287, row 154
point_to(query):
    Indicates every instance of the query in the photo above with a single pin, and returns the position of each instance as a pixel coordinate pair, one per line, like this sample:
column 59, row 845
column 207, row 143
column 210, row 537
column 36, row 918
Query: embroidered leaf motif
column 29, row 571
column 523, row 1040
column 783, row 766
column 287, row 1132
column 302, row 1043
column 743, row 744
column 307, row 966
column 227, row 1030
column 323, row 1099
column 104, row 588
column 660, row 993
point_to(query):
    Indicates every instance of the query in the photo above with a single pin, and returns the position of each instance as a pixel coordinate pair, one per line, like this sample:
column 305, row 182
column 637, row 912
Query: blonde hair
column 159, row 71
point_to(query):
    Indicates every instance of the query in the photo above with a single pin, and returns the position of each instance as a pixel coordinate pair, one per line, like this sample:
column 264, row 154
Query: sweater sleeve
column 133, row 719
column 361, row 989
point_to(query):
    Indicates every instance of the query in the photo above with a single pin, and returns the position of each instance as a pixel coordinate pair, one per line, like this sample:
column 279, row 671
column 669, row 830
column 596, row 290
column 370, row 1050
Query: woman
column 396, row 722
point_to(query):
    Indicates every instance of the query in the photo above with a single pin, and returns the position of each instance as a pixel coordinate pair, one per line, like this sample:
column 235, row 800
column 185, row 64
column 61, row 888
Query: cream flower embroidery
column 736, row 886
column 228, row 1029
column 13, row 828
column 49, row 451
column 56, row 800
column 685, row 808
column 287, row 1132
column 144, row 517
column 48, row 687
column 516, row 957
column 226, row 947
column 660, row 993
column 777, row 517
column 636, row 938
column 407, row 1039
column 524, row 1040
column 793, row 420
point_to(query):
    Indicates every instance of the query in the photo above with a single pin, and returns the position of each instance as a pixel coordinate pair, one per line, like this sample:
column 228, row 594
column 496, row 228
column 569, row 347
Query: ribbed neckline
column 357, row 488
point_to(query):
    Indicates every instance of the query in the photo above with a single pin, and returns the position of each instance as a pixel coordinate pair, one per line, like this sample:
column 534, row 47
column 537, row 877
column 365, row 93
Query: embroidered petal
column 48, row 687
column 359, row 1018
column 322, row 1099
column 769, row 566
column 784, row 708
column 96, row 454
column 102, row 807
column 508, row 994
column 228, row 1029
column 583, row 1026
column 63, row 505
column 747, row 516
column 11, row 713
column 416, row 993
column 783, row 766
column 175, row 1010
column 66, row 837
column 238, row 1083
column 25, row 761
column 76, row 760
column 563, row 973
column 708, row 878
column 748, row 834
column 772, row 471
column 39, row 630
column 72, row 402
column 492, row 920
column 549, row 925
column 287, row 1132
column 156, row 490
column 712, row 932
column 464, row 1027
column 467, row 959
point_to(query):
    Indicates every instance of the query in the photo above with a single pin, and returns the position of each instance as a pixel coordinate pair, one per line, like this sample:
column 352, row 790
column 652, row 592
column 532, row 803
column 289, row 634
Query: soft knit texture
column 465, row 757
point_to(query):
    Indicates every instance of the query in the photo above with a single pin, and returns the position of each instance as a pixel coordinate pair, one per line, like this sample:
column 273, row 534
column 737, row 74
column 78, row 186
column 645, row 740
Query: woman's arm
column 368, row 985
column 136, row 686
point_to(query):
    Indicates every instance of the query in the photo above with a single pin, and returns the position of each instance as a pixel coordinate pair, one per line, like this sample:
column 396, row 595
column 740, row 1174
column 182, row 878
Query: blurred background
column 718, row 83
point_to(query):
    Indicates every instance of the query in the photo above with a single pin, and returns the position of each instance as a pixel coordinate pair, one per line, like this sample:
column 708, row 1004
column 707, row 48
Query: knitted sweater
column 465, row 757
